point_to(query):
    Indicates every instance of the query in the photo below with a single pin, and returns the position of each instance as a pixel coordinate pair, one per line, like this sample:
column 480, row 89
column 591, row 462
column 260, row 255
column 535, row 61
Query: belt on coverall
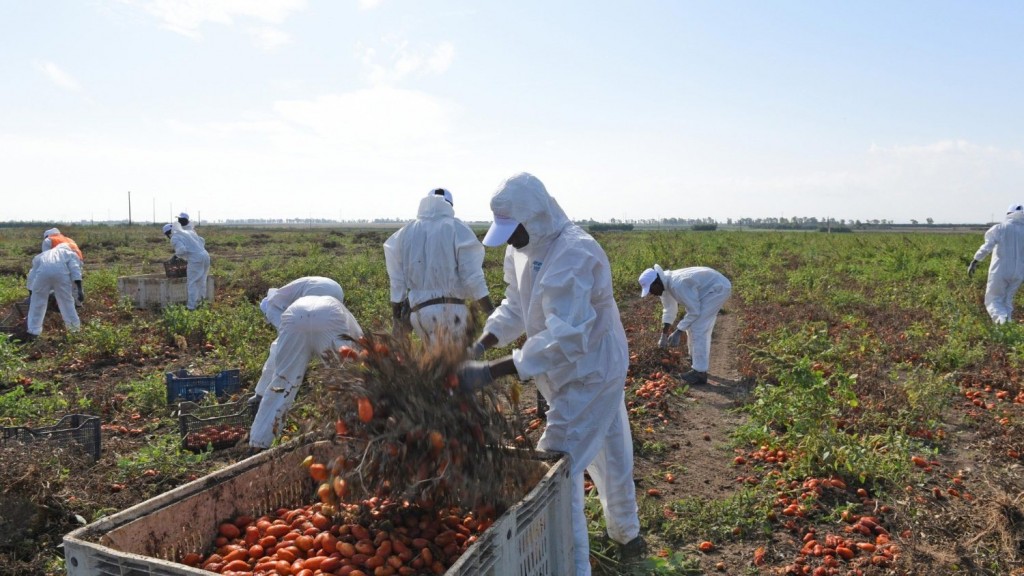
column 433, row 301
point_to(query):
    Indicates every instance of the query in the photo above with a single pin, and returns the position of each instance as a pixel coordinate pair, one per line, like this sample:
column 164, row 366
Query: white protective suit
column 436, row 256
column 54, row 270
column 279, row 299
column 560, row 293
column 702, row 292
column 190, row 246
column 310, row 327
column 1005, row 241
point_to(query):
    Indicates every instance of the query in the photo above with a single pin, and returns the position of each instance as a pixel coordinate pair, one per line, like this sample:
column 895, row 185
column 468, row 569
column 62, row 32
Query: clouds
column 401, row 61
column 257, row 17
column 58, row 77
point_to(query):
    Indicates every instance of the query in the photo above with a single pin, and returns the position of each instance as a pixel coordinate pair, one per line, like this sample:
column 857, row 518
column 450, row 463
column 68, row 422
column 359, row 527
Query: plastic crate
column 175, row 268
column 184, row 386
column 157, row 290
column 81, row 429
column 532, row 538
column 230, row 420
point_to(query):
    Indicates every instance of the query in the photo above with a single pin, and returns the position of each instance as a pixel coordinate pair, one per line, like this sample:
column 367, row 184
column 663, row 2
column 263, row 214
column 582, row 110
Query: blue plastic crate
column 183, row 386
column 82, row 429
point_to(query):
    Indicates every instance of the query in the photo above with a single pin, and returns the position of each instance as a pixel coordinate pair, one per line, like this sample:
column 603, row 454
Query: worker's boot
column 633, row 550
column 695, row 378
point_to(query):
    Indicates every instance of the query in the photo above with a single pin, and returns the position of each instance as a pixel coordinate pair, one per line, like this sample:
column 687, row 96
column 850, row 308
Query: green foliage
column 100, row 339
column 40, row 401
column 147, row 396
column 163, row 454
column 12, row 360
column 739, row 515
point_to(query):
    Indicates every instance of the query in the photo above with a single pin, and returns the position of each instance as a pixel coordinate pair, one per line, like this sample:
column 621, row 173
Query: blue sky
column 353, row 109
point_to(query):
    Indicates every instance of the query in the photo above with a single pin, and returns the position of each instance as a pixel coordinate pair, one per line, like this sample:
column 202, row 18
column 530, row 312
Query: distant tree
column 930, row 221
column 913, row 222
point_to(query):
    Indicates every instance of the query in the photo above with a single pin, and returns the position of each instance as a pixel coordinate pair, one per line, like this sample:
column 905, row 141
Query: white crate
column 157, row 290
column 532, row 538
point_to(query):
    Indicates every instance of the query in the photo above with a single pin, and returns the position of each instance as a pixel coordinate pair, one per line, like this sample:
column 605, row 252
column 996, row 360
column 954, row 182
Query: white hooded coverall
column 436, row 256
column 279, row 299
column 560, row 293
column 1005, row 241
column 190, row 246
column 54, row 270
column 310, row 327
column 702, row 292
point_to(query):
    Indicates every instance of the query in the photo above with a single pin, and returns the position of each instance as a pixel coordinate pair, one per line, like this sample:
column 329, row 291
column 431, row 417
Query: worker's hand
column 476, row 351
column 81, row 296
column 474, row 375
column 971, row 267
column 675, row 338
column 663, row 341
column 254, row 401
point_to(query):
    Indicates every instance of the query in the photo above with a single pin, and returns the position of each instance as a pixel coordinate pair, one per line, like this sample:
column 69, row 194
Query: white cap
column 50, row 232
column 442, row 192
column 1013, row 208
column 647, row 277
column 183, row 215
column 500, row 231
column 167, row 228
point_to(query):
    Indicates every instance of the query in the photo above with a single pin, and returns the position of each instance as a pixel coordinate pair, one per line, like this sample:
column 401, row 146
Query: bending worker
column 559, row 292
column 312, row 326
column 435, row 264
column 277, row 301
column 55, row 270
column 1005, row 241
column 702, row 292
column 190, row 246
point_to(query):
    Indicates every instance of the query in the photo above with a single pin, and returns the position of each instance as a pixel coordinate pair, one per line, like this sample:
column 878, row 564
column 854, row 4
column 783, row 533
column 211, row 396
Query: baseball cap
column 167, row 228
column 647, row 277
column 1015, row 208
column 442, row 192
column 183, row 215
column 50, row 232
column 500, row 231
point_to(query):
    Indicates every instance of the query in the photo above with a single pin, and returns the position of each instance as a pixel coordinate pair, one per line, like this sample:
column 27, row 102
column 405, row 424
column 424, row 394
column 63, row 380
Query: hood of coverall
column 524, row 199
column 434, row 208
column 1015, row 212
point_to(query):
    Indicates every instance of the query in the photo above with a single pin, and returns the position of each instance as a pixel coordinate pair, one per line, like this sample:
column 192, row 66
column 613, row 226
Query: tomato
column 365, row 409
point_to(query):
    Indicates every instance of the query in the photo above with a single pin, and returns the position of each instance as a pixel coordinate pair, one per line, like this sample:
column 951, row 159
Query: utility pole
column 129, row 208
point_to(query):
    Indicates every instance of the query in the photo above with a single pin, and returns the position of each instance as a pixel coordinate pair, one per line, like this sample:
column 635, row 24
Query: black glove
column 971, row 267
column 81, row 296
column 254, row 401
column 476, row 351
column 675, row 338
column 474, row 375
column 663, row 341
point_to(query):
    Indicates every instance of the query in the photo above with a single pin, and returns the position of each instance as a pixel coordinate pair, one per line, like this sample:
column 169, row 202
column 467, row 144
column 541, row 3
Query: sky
column 640, row 109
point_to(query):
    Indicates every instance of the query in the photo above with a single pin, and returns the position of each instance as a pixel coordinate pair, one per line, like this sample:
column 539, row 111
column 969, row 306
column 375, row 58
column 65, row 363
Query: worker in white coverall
column 313, row 326
column 1005, row 241
column 277, row 301
column 559, row 292
column 190, row 246
column 57, row 270
column 702, row 292
column 435, row 264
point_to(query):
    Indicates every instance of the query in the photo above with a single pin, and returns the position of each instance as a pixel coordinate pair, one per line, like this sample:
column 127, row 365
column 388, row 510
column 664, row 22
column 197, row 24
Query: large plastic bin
column 157, row 290
column 181, row 385
column 82, row 429
column 532, row 538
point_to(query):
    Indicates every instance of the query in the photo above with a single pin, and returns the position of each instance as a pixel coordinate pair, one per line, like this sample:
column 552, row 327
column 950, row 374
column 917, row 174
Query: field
column 864, row 415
